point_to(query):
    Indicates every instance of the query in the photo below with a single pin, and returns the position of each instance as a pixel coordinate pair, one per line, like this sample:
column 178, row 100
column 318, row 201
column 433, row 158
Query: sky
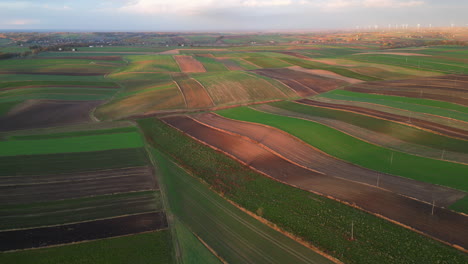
column 227, row 15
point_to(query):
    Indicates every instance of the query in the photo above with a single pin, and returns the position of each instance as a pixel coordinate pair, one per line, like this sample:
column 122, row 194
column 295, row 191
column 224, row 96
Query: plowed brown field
column 444, row 224
column 302, row 83
column 194, row 93
column 28, row 189
column 189, row 64
column 435, row 127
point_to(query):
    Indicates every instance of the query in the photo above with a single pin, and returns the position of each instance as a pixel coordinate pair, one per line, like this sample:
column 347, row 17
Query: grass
column 461, row 205
column 238, row 87
column 337, row 70
column 191, row 249
column 211, row 64
column 216, row 221
column 321, row 221
column 67, row 163
column 77, row 210
column 5, row 107
column 84, row 143
column 405, row 133
column 444, row 109
column 153, row 247
column 348, row 148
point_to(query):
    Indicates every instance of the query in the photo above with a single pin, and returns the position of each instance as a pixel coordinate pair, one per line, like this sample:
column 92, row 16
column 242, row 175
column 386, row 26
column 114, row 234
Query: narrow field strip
column 427, row 125
column 41, row 165
column 411, row 104
column 40, row 214
column 64, row 234
column 72, row 144
column 144, row 248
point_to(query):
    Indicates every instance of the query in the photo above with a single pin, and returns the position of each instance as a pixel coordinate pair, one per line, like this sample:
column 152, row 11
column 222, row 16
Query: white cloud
column 21, row 22
column 193, row 7
column 333, row 5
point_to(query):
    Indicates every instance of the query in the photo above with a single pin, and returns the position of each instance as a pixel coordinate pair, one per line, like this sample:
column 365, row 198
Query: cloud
column 21, row 22
column 333, row 5
column 195, row 7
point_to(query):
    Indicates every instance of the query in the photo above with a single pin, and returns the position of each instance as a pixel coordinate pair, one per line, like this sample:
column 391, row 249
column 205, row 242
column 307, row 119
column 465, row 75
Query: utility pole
column 391, row 159
column 352, row 230
column 433, row 206
column 378, row 179
column 443, row 153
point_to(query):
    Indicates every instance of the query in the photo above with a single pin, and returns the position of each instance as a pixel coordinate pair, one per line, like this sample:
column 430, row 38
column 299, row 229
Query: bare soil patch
column 64, row 234
column 28, row 189
column 195, row 94
column 231, row 65
column 189, row 64
column 445, row 225
column 48, row 113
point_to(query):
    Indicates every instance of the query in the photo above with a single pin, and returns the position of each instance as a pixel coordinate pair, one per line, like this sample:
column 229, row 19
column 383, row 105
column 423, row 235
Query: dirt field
column 231, row 65
column 393, row 53
column 445, row 225
column 325, row 73
column 373, row 137
column 189, row 64
column 195, row 94
column 302, row 83
column 28, row 189
column 438, row 128
column 47, row 236
column 47, row 113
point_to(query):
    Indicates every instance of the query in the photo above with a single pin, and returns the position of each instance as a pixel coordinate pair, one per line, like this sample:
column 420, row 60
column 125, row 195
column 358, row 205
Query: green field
column 65, row 163
column 86, row 143
column 150, row 63
column 211, row 64
column 396, row 130
column 348, row 148
column 153, row 247
column 433, row 107
column 415, row 62
column 321, row 221
column 192, row 251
